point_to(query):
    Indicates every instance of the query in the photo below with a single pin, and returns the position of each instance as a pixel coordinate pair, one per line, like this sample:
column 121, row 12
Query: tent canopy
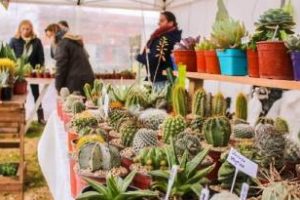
column 127, row 4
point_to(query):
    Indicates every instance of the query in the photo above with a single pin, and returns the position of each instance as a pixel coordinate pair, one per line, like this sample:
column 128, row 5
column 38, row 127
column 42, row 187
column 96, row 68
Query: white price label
column 106, row 105
column 242, row 163
column 204, row 194
column 244, row 192
column 173, row 174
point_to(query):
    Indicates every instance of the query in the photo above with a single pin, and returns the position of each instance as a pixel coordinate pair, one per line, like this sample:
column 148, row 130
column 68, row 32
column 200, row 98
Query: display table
column 53, row 158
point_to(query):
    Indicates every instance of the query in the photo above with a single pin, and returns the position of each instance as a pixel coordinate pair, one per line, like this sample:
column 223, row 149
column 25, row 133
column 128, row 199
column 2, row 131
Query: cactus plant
column 152, row 118
column 281, row 125
column 144, row 138
column 115, row 116
column 136, row 99
column 275, row 191
column 179, row 100
column 187, row 141
column 93, row 94
column 89, row 139
column 292, row 151
column 241, row 107
column 115, row 157
column 199, row 103
column 225, row 196
column 78, row 107
column 218, row 105
column 243, row 131
column 64, row 93
column 153, row 158
column 197, row 124
column 217, row 131
column 128, row 130
column 265, row 120
column 208, row 107
column 172, row 126
column 68, row 103
column 83, row 120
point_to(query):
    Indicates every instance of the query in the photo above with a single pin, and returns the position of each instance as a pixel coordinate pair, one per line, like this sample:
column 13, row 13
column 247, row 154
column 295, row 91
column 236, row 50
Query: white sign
column 106, row 105
column 204, row 194
column 171, row 180
column 244, row 192
column 241, row 163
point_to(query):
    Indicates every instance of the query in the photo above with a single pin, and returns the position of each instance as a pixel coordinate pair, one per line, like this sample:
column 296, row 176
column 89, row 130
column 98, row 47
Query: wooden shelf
column 282, row 84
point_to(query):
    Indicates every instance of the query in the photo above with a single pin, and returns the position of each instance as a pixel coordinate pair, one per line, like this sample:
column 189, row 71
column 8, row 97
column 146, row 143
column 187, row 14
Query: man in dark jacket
column 159, row 48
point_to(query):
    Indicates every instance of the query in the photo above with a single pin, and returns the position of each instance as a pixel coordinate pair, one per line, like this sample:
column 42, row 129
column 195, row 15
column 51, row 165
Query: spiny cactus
column 172, row 126
column 197, row 124
column 199, row 103
column 225, row 196
column 237, row 121
column 292, row 151
column 281, row 125
column 144, row 138
column 115, row 116
column 152, row 118
column 67, row 106
column 93, row 94
column 265, row 120
column 115, row 157
column 179, row 101
column 241, row 107
column 208, row 107
column 276, row 190
column 243, row 131
column 136, row 99
column 89, row 139
column 217, row 131
column 78, row 107
column 187, row 141
column 128, row 130
column 64, row 93
column 218, row 105
column 154, row 158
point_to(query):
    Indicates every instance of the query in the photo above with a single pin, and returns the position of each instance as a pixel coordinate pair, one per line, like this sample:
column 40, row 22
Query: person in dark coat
column 26, row 43
column 159, row 61
column 73, row 68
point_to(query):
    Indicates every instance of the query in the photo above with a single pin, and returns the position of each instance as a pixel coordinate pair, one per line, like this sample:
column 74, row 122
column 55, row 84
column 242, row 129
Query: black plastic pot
column 6, row 93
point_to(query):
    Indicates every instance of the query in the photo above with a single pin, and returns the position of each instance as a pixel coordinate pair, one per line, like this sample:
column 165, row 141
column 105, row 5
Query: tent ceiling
column 128, row 4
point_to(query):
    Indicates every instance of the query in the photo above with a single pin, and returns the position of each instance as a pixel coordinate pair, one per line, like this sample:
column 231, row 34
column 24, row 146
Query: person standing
column 26, row 43
column 158, row 60
column 73, row 68
column 64, row 25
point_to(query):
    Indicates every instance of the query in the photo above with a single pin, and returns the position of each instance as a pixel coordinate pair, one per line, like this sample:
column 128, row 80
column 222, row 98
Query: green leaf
column 193, row 164
column 200, row 174
column 197, row 188
column 136, row 195
column 160, row 174
column 128, row 180
column 112, row 186
column 92, row 195
column 96, row 186
column 184, row 159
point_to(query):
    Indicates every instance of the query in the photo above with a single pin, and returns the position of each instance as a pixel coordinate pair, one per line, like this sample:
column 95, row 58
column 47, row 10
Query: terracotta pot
column 187, row 58
column 39, row 75
column 142, row 181
column 73, row 178
column 80, row 182
column 71, row 137
column 212, row 62
column 274, row 60
column 125, row 162
column 20, row 87
column 201, row 65
column 253, row 64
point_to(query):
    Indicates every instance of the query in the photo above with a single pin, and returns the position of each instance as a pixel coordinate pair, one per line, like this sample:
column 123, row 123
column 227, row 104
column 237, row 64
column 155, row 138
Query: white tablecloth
column 53, row 158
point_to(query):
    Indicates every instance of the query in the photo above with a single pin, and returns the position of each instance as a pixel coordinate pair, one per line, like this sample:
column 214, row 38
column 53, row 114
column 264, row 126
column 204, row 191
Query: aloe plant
column 120, row 93
column 188, row 179
column 116, row 188
column 6, row 52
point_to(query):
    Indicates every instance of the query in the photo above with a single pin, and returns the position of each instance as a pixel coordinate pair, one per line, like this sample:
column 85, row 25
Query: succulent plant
column 199, row 103
column 115, row 116
column 180, row 100
column 187, row 140
column 241, row 107
column 197, row 124
column 128, row 130
column 205, row 44
column 172, row 126
column 8, row 169
column 275, row 191
column 144, row 138
column 89, row 139
column 237, row 121
column 152, row 118
column 153, row 158
column 273, row 19
column 292, row 151
column 225, row 196
column 281, row 125
column 293, row 43
column 119, row 93
column 217, row 131
column 92, row 131
column 265, row 120
column 78, row 107
column 243, row 131
column 136, row 99
column 83, row 120
column 68, row 103
column 64, row 93
column 208, row 107
column 93, row 94
column 218, row 105
column 187, row 44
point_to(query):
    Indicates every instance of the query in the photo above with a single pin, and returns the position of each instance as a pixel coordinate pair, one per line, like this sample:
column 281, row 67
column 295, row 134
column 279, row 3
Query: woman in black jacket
column 157, row 53
column 73, row 68
column 26, row 43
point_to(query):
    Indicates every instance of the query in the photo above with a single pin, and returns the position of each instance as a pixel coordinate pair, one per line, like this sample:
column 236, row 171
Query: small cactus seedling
column 218, row 105
column 241, row 107
column 180, row 101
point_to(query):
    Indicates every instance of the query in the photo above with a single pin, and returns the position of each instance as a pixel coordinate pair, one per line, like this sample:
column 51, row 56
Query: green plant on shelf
column 8, row 169
column 23, row 68
column 205, row 44
column 293, row 43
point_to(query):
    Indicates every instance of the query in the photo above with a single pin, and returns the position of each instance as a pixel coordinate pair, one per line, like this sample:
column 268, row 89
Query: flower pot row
column 271, row 60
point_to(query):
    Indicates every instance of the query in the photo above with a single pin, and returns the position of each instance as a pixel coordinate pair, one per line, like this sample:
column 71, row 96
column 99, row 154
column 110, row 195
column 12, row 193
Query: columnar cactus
column 218, row 105
column 78, row 107
column 208, row 107
column 152, row 118
column 172, row 126
column 217, row 131
column 243, row 131
column 128, row 130
column 135, row 99
column 199, row 103
column 179, row 101
column 241, row 107
column 281, row 125
column 187, row 141
column 144, row 138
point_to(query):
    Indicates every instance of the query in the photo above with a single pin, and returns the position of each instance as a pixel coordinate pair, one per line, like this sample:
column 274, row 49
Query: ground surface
column 35, row 185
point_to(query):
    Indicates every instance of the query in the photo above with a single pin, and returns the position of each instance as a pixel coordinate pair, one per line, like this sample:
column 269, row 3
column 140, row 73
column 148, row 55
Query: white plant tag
column 244, row 192
column 171, row 180
column 204, row 194
column 106, row 105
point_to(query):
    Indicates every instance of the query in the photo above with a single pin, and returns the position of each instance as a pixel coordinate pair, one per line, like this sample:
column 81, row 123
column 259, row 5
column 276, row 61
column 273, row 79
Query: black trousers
column 36, row 93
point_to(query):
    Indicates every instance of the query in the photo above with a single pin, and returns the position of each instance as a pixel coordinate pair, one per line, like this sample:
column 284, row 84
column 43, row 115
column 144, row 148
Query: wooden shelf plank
column 281, row 84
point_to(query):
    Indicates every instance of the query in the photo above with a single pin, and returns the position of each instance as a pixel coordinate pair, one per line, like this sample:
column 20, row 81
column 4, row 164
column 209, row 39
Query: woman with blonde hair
column 25, row 43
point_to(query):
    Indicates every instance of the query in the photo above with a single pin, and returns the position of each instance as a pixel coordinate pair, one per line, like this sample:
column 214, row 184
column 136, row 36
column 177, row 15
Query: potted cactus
column 293, row 44
column 184, row 53
column 200, row 49
column 93, row 94
column 212, row 65
column 22, row 69
column 274, row 26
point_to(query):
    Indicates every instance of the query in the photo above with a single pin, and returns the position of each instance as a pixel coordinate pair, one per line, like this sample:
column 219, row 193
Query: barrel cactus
column 281, row 125
column 144, row 138
column 180, row 100
column 128, row 130
column 88, row 139
column 243, row 131
column 218, row 105
column 275, row 191
column 136, row 99
column 187, row 140
column 241, row 107
column 199, row 103
column 292, row 151
column 67, row 106
column 152, row 118
column 115, row 116
column 153, row 158
column 217, row 131
column 197, row 124
column 78, row 107
column 64, row 93
column 115, row 157
column 172, row 126
column 225, row 196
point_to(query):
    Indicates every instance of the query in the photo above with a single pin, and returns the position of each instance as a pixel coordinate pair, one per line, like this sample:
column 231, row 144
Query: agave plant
column 6, row 52
column 188, row 179
column 119, row 93
column 116, row 188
